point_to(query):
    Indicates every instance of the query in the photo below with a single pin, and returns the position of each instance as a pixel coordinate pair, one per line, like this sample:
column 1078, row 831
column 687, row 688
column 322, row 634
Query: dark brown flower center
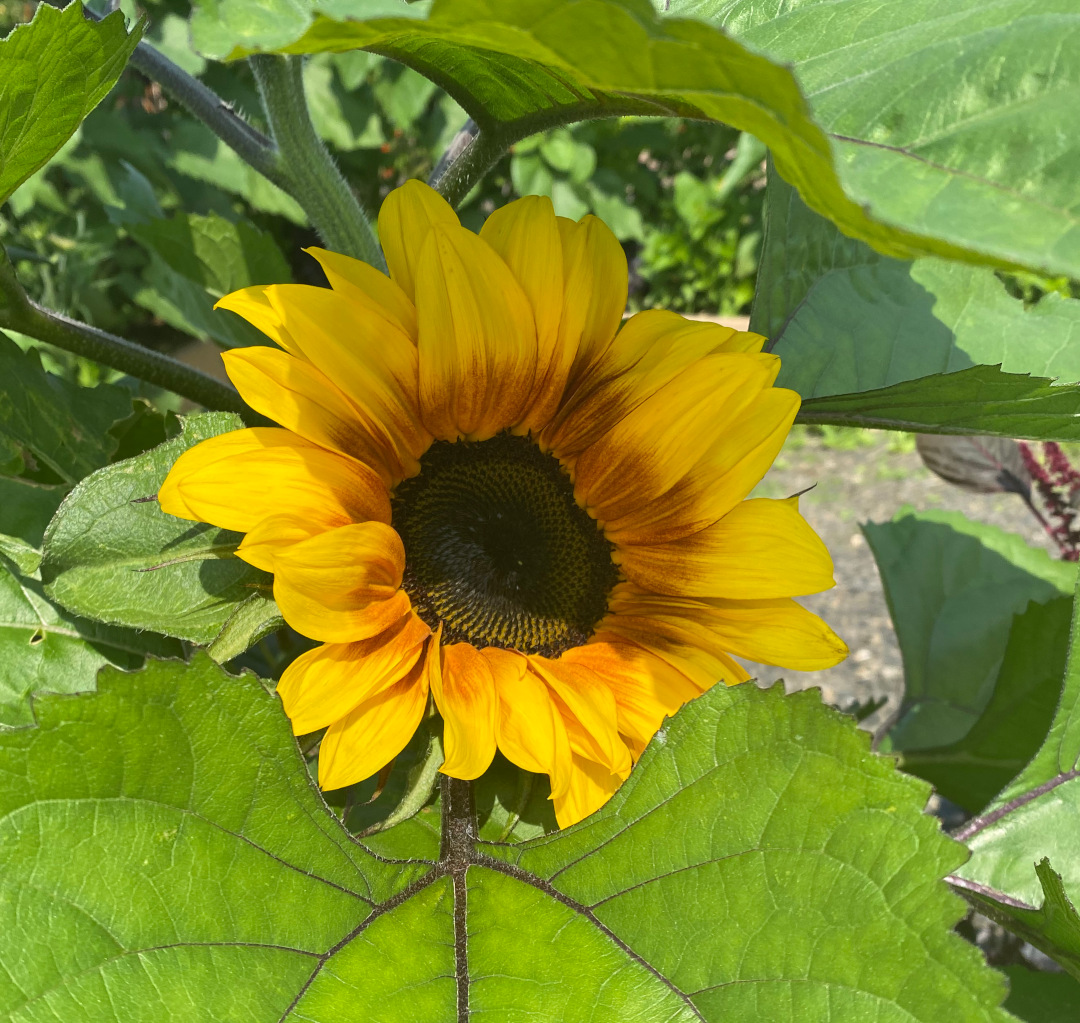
column 497, row 549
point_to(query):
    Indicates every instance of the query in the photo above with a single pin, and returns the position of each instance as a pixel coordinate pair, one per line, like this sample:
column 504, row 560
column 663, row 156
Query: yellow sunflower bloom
column 487, row 491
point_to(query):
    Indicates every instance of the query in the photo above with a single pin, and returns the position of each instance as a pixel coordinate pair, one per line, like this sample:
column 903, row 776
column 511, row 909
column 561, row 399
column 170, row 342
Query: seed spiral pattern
column 497, row 549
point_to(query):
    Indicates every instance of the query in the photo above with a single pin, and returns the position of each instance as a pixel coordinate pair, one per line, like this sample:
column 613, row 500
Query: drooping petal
column 589, row 712
column 722, row 477
column 370, row 360
column 646, row 688
column 315, row 620
column 303, row 399
column 238, row 479
column 528, row 726
column 267, row 538
column 477, row 338
column 407, row 215
column 590, row 786
column 376, row 731
column 325, row 684
column 761, row 549
column 464, row 692
column 596, row 279
column 662, row 439
column 525, row 234
column 362, row 283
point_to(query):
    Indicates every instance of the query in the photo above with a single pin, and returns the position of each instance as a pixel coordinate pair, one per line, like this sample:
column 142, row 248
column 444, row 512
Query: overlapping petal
column 464, row 692
column 238, row 479
column 406, row 217
column 477, row 338
column 324, row 685
column 366, row 286
column 377, row 730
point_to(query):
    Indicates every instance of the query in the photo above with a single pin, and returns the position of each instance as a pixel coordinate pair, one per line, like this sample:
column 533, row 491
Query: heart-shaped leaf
column 166, row 854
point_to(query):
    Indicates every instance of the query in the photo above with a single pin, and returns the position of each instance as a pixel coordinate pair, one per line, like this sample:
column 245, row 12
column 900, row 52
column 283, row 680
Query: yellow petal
column 646, row 688
column 594, row 268
column 528, row 727
column 775, row 631
column 590, row 786
column 589, row 711
column 407, row 215
column 464, row 692
column 724, row 476
column 347, row 568
column 362, row 283
column 238, row 479
column 524, row 233
column 302, row 399
column 254, row 306
column 761, row 549
column 268, row 538
column 342, row 585
column 658, row 443
column 372, row 362
column 376, row 731
column 743, row 341
column 323, row 685
column 477, row 338
column 701, row 661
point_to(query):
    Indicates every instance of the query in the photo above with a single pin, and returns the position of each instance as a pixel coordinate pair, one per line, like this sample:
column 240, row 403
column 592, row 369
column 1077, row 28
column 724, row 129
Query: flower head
column 487, row 490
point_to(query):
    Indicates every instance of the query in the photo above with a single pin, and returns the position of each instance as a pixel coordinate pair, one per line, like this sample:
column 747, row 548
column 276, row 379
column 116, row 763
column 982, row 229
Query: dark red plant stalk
column 1058, row 485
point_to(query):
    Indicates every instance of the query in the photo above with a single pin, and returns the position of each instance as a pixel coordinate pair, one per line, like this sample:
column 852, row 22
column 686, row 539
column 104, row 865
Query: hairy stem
column 310, row 174
column 19, row 313
column 471, row 154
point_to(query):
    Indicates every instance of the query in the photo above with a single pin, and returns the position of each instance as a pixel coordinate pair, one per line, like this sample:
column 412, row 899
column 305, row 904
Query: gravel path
column 856, row 484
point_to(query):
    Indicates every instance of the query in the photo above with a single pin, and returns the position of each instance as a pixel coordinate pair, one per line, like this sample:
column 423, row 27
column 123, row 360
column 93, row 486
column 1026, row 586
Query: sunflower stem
column 20, row 313
column 308, row 170
column 471, row 154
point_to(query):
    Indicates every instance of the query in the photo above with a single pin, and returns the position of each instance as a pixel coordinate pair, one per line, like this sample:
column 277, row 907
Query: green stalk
column 19, row 313
column 312, row 177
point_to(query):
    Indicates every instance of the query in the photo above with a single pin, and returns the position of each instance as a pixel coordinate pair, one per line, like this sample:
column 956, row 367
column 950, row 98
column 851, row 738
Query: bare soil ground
column 861, row 476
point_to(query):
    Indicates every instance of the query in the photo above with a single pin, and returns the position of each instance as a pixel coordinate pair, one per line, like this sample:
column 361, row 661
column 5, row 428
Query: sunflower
column 487, row 492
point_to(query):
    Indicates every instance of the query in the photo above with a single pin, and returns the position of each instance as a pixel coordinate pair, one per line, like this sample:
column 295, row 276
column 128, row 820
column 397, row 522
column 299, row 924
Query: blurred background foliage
column 144, row 219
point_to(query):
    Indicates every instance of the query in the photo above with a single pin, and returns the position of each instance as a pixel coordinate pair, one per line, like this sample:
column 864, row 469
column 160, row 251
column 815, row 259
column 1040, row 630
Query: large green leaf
column 62, row 426
column 955, row 119
column 166, row 856
column 45, row 649
column 112, row 554
column 978, row 400
column 1034, row 819
column 953, row 587
column 845, row 319
column 53, row 72
column 1012, row 726
column 517, row 68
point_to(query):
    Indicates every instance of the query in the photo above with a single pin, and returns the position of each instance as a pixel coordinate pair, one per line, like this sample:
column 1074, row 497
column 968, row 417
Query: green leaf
column 45, row 649
column 953, row 587
column 1012, row 726
column 113, row 555
column 978, row 400
column 26, row 507
column 955, row 120
column 1053, row 926
column 63, row 426
column 1040, row 997
column 53, row 72
column 198, row 260
column 518, row 68
column 253, row 619
column 844, row 319
column 1033, row 819
column 166, row 853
